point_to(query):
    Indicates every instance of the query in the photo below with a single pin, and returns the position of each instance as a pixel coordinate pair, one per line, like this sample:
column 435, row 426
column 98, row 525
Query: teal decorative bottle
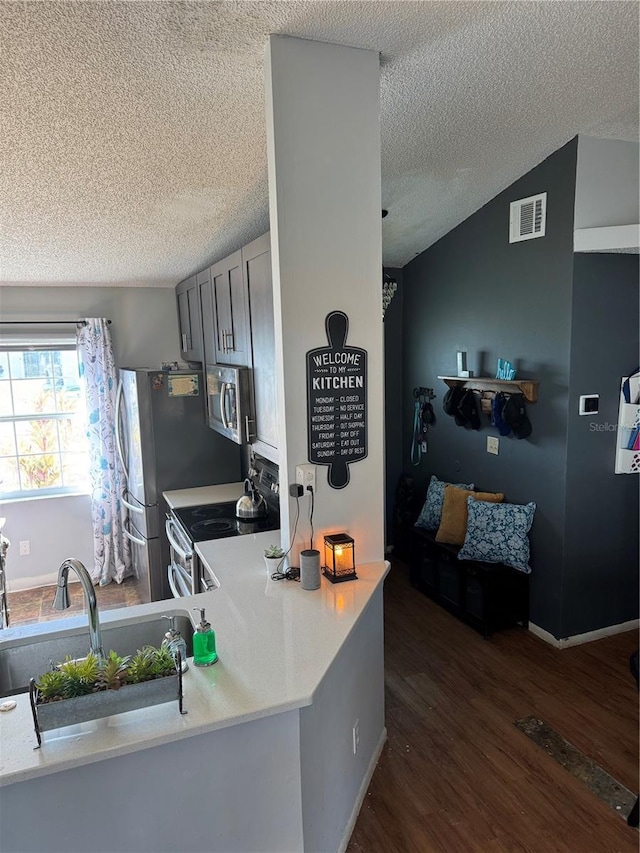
column 204, row 642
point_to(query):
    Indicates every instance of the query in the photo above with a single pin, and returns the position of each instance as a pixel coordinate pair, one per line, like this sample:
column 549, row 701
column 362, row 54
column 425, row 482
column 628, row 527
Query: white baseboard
column 362, row 793
column 19, row 584
column 589, row 637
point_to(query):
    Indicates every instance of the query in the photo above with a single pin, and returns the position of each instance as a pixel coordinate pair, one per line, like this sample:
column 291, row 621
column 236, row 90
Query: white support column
column 323, row 144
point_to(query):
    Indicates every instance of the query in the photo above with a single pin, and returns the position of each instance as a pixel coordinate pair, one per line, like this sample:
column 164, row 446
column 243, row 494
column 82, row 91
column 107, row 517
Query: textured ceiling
column 132, row 134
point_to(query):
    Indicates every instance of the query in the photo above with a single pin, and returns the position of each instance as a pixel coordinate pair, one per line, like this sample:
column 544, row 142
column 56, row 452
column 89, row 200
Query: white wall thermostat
column 589, row 404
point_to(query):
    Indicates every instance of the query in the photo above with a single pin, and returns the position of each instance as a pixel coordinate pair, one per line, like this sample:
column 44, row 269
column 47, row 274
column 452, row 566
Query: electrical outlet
column 306, row 476
column 356, row 736
column 493, row 445
column 25, row 548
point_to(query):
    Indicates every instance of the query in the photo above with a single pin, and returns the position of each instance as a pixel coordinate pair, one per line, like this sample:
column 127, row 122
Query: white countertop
column 275, row 642
column 203, row 495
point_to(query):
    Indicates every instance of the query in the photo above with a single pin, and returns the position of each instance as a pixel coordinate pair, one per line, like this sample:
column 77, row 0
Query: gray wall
column 600, row 579
column 394, row 460
column 229, row 791
column 144, row 319
column 145, row 333
column 606, row 183
column 56, row 528
column 332, row 777
column 473, row 291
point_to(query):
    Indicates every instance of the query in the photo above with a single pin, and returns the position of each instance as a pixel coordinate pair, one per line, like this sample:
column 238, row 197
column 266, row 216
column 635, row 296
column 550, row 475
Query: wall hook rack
column 423, row 394
column 527, row 387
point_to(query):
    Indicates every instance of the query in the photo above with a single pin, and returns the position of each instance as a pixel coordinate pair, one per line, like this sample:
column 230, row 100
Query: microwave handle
column 223, row 405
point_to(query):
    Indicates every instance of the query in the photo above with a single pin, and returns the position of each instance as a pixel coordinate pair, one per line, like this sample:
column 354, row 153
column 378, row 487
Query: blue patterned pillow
column 497, row 533
column 431, row 512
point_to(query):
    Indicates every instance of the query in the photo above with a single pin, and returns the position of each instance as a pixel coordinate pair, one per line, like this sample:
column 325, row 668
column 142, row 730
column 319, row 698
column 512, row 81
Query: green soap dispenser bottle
column 204, row 642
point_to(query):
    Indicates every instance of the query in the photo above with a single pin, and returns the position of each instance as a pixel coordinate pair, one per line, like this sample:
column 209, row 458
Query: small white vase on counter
column 272, row 564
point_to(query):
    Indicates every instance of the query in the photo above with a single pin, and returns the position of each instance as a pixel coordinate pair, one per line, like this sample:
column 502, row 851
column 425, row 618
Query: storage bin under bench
column 488, row 596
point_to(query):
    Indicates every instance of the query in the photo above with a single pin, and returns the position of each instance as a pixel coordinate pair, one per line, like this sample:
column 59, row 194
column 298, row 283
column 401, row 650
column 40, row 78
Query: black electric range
column 218, row 521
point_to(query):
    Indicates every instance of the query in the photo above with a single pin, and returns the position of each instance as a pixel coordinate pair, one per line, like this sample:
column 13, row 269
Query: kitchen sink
column 24, row 655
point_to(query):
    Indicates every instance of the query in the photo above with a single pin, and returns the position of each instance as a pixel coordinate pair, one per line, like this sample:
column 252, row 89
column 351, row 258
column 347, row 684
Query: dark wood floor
column 455, row 773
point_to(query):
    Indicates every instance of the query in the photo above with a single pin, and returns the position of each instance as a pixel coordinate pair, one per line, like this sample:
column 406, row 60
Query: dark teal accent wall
column 472, row 290
column 393, row 370
column 600, row 578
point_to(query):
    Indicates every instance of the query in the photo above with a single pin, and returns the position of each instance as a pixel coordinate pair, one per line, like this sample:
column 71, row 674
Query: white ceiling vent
column 527, row 218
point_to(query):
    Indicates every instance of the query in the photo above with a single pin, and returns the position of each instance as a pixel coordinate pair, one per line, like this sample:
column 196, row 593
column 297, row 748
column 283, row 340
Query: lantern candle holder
column 339, row 558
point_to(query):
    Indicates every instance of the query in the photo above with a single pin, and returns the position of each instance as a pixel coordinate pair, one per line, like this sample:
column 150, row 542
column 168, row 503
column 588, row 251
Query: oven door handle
column 210, row 582
column 169, row 525
column 176, row 583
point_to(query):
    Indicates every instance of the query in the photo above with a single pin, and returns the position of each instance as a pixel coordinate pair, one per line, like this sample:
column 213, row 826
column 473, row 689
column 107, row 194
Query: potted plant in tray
column 79, row 690
column 274, row 559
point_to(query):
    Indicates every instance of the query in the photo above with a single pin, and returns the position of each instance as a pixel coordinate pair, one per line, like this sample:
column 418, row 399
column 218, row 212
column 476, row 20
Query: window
column 43, row 445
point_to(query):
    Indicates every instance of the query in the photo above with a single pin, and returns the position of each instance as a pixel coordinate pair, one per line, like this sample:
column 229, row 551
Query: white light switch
column 493, row 444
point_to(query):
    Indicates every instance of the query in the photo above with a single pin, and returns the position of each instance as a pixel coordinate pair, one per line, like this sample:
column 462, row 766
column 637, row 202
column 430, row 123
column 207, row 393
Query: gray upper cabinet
column 205, row 293
column 256, row 265
column 226, row 317
column 231, row 332
column 189, row 320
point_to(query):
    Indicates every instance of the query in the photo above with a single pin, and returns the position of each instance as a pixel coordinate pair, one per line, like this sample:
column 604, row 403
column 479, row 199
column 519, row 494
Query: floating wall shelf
column 527, row 387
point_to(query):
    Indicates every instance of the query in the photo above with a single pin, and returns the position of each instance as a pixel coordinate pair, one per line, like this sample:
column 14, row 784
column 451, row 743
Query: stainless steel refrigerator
column 164, row 443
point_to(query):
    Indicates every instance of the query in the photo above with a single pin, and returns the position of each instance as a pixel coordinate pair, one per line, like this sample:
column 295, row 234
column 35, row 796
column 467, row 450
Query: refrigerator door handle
column 118, row 435
column 223, row 405
column 132, row 537
column 169, row 526
column 131, row 506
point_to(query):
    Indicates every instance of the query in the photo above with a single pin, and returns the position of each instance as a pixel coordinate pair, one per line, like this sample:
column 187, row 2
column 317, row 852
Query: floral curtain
column 112, row 551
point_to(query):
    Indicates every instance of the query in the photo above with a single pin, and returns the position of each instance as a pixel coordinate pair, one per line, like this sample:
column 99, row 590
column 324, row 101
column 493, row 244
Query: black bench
column 488, row 596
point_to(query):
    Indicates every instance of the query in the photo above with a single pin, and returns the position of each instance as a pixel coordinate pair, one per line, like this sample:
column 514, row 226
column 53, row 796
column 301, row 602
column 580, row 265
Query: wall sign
column 337, row 402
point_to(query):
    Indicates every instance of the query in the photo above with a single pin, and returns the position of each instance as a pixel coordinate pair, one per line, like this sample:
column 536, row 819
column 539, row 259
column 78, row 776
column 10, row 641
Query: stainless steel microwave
column 229, row 408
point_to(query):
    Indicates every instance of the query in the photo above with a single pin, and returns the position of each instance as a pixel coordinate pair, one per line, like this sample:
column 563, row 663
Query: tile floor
column 28, row 606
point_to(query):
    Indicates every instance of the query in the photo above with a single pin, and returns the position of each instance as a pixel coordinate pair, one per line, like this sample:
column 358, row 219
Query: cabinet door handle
column 184, row 343
column 230, row 345
column 247, row 421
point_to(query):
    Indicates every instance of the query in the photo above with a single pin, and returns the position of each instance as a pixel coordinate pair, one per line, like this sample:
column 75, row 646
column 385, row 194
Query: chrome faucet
column 61, row 600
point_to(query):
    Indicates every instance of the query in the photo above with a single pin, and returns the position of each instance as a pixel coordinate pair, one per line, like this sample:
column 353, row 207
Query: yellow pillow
column 453, row 524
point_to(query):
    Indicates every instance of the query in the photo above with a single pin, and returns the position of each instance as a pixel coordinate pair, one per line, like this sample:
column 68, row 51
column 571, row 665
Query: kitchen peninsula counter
column 283, row 651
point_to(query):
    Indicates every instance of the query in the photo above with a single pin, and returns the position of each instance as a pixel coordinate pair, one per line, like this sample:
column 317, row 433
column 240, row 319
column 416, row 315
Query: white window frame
column 17, row 344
